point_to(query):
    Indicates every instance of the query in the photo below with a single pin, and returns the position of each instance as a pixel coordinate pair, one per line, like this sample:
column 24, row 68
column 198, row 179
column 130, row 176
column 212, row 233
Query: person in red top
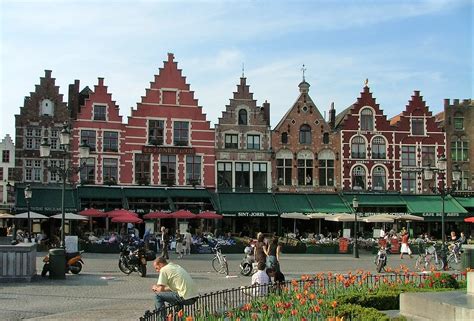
column 405, row 248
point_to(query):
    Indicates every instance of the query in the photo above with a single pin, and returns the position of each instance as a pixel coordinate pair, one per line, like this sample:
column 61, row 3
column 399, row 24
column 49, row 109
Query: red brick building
column 306, row 149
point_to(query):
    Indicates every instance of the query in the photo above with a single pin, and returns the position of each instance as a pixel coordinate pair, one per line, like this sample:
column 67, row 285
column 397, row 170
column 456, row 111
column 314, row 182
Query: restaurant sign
column 439, row 214
column 167, row 150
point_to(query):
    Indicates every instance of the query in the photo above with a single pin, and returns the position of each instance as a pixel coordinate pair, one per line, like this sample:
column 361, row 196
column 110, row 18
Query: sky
column 400, row 46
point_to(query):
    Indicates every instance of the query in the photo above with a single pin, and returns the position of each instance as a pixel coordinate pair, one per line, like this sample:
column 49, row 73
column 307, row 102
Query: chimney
column 266, row 112
column 73, row 99
column 332, row 116
column 47, row 74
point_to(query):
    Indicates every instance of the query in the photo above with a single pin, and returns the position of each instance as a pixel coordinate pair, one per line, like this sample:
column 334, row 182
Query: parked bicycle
column 453, row 260
column 429, row 258
column 219, row 261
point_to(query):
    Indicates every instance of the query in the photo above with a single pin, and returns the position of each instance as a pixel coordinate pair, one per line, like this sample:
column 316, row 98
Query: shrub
column 380, row 301
column 440, row 281
column 357, row 312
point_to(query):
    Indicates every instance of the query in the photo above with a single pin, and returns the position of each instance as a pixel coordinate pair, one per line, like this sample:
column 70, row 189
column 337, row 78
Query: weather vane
column 303, row 69
column 243, row 70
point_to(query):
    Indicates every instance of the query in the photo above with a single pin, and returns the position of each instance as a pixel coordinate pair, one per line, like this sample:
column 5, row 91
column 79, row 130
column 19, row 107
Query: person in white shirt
column 260, row 280
column 188, row 240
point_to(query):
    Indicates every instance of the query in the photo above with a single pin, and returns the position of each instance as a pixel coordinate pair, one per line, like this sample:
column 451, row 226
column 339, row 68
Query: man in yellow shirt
column 174, row 285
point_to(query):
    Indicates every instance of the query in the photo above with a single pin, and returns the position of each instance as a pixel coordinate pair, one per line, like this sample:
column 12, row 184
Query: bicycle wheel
column 454, row 262
column 226, row 266
column 420, row 262
column 436, row 264
column 217, row 265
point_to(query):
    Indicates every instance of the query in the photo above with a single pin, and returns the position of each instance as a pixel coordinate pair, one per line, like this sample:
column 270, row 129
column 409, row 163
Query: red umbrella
column 209, row 215
column 158, row 214
column 183, row 214
column 92, row 212
column 469, row 219
column 126, row 219
column 121, row 212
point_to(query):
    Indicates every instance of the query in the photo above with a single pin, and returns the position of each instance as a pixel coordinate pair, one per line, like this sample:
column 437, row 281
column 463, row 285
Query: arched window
column 326, row 138
column 378, row 179
column 284, row 138
column 358, row 147
column 358, row 178
column 366, row 119
column 378, row 148
column 305, row 134
column 242, row 117
column 326, row 168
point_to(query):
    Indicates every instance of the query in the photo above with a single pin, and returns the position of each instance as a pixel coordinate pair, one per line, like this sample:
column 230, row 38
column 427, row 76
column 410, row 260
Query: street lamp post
column 63, row 170
column 443, row 191
column 28, row 195
column 355, row 205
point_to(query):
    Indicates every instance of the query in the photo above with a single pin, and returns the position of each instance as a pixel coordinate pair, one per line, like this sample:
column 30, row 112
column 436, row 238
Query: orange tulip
column 254, row 316
column 312, row 296
column 294, row 312
column 180, row 313
column 334, row 304
column 189, row 318
column 317, row 308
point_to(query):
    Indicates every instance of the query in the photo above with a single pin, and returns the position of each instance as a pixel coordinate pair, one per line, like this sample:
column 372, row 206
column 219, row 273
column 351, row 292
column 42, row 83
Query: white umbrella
column 6, row 215
column 295, row 215
column 341, row 217
column 380, row 218
column 319, row 215
column 33, row 215
column 409, row 217
column 70, row 216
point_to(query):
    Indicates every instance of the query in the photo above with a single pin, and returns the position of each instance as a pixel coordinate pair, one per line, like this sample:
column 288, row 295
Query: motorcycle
column 247, row 264
column 74, row 263
column 381, row 259
column 133, row 257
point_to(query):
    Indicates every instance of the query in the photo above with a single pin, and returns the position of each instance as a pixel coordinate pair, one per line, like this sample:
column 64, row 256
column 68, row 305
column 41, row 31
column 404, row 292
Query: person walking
column 273, row 254
column 174, row 286
column 165, row 240
column 187, row 241
column 405, row 247
column 260, row 249
column 179, row 244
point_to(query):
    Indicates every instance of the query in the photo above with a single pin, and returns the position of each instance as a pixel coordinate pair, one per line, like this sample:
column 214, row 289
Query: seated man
column 174, row 285
column 260, row 280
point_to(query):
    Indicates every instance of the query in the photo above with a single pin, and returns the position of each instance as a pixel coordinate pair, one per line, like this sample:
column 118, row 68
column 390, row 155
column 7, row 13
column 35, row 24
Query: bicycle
column 219, row 261
column 453, row 260
column 428, row 259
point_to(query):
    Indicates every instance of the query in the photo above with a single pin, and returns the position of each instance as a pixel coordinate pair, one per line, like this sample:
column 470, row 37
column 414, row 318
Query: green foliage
column 380, row 301
column 441, row 281
column 357, row 312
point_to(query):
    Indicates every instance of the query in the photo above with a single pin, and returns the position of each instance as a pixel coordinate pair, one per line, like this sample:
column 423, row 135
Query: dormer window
column 242, row 117
column 99, row 112
column 417, row 126
column 46, row 107
column 367, row 119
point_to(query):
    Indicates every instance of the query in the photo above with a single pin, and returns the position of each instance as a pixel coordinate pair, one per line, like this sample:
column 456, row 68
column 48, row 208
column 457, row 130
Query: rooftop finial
column 243, row 70
column 303, row 69
column 366, row 82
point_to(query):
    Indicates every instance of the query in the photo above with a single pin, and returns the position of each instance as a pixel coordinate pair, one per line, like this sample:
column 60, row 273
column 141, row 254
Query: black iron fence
column 218, row 302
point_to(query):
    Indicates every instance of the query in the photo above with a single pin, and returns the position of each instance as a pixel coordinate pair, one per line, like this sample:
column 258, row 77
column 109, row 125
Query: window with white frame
column 224, row 175
column 142, row 169
column 33, row 137
column 284, row 167
column 5, row 156
column 110, row 169
column 89, row 137
column 193, row 170
column 305, row 171
column 409, row 182
column 358, row 178
column 156, row 132
column 367, row 119
column 428, row 156
column 379, row 179
column 358, row 147
column 88, row 171
column 110, row 141
column 168, row 169
column 181, row 133
column 458, row 121
column 326, row 168
column 409, row 156
column 253, row 141
column 379, row 149
column 460, row 150
column 417, row 126
column 259, row 173
column 231, row 141
column 100, row 112
column 464, row 182
column 242, row 175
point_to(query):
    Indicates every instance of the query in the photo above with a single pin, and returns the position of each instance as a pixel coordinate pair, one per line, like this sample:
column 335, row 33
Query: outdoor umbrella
column 33, row 215
column 126, row 219
column 380, row 218
column 5, row 216
column 208, row 215
column 469, row 219
column 182, row 214
column 341, row 217
column 92, row 212
column 69, row 216
column 159, row 214
column 295, row 216
column 120, row 212
column 318, row 215
column 409, row 217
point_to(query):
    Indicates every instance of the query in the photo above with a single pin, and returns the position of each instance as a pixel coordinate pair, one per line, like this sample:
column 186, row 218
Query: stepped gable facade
column 419, row 143
column 42, row 115
column 7, row 172
column 243, row 144
column 168, row 140
column 367, row 146
column 99, row 124
column 459, row 140
column 305, row 148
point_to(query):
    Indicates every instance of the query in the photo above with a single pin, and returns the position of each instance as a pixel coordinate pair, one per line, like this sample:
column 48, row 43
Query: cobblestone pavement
column 102, row 292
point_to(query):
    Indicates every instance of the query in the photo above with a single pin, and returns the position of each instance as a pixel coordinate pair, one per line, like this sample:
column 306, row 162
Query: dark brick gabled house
column 306, row 149
column 43, row 114
column 243, row 144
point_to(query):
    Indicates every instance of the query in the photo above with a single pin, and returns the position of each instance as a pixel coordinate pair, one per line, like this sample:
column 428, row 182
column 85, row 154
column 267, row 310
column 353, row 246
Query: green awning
column 188, row 193
column 328, row 203
column 419, row 204
column 46, row 200
column 144, row 192
column 288, row 203
column 376, row 200
column 466, row 202
column 99, row 192
column 247, row 204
